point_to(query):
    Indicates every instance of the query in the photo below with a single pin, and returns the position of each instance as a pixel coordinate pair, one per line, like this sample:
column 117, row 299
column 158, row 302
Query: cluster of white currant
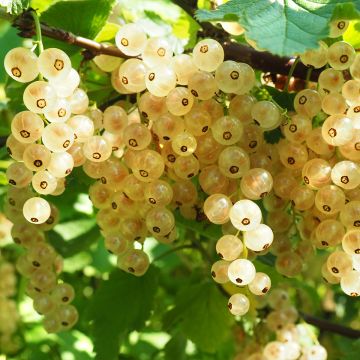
column 290, row 342
column 245, row 215
column 41, row 151
column 41, row 265
column 195, row 118
column 42, row 161
column 328, row 158
column 9, row 316
column 314, row 173
column 175, row 143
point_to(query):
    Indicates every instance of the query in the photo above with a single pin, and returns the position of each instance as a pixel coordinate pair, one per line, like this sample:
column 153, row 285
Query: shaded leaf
column 175, row 348
column 348, row 10
column 14, row 91
column 273, row 136
column 121, row 304
column 8, row 40
column 350, row 348
column 203, row 228
column 202, row 314
column 283, row 98
column 75, row 245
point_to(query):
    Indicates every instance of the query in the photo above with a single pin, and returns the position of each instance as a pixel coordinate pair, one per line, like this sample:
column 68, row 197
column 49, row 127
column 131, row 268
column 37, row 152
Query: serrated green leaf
column 202, row 315
column 121, row 304
column 283, row 27
column 81, row 17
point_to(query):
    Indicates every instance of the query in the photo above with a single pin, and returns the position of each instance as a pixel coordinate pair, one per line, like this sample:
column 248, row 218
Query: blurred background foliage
column 175, row 311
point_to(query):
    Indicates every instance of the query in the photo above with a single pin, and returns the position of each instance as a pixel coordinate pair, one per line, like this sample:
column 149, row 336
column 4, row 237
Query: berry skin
column 21, row 64
column 36, row 210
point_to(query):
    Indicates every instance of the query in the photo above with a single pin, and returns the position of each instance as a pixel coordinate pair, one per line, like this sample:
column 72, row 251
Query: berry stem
column 291, row 72
column 34, row 46
column 245, row 251
column 308, row 75
column 38, row 32
column 174, row 249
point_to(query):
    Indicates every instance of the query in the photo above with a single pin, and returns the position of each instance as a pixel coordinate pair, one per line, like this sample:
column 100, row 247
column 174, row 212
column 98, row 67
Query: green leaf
column 108, row 32
column 348, row 10
column 75, row 245
column 77, row 184
column 67, row 343
column 121, row 304
column 3, row 178
column 202, row 315
column 203, row 228
column 352, row 34
column 81, row 17
column 162, row 18
column 72, row 229
column 175, row 348
column 42, row 5
column 282, row 98
column 8, row 39
column 286, row 27
column 351, row 349
column 204, row 4
column 294, row 283
column 186, row 28
column 15, row 7
column 14, row 91
column 98, row 86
